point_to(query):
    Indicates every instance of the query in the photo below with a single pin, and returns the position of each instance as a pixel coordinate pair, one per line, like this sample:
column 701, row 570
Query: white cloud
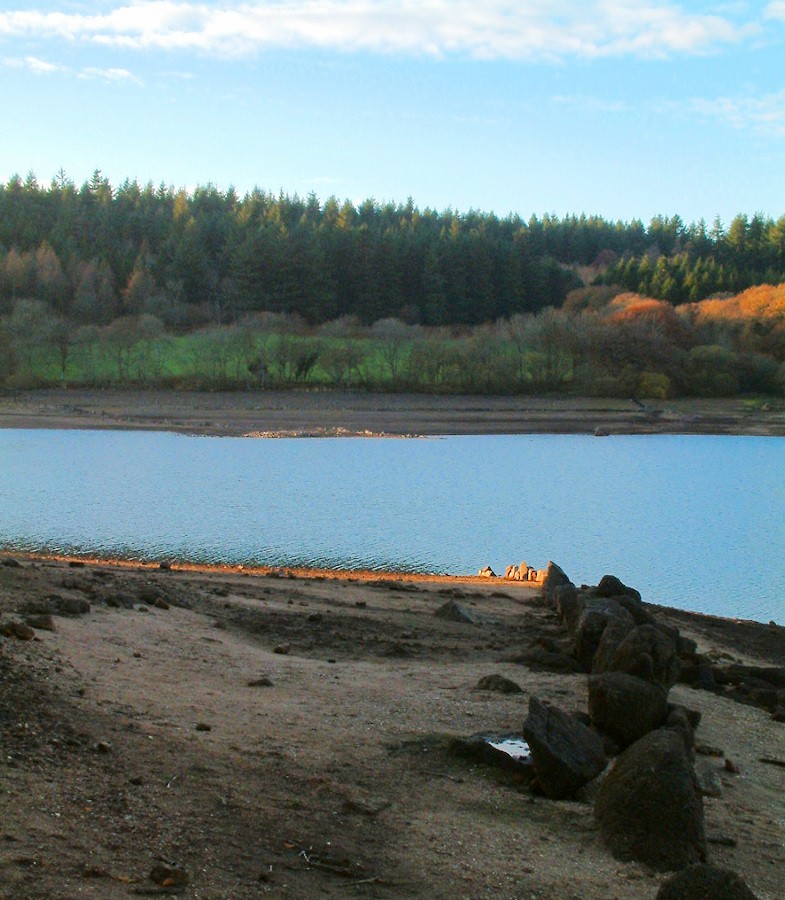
column 527, row 29
column 109, row 74
column 41, row 67
column 775, row 10
column 764, row 114
column 591, row 104
column 35, row 65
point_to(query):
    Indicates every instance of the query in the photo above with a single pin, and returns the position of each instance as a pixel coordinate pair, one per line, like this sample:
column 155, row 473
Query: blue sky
column 621, row 108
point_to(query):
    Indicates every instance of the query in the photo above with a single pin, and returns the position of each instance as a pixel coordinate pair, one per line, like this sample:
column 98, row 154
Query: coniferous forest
column 138, row 283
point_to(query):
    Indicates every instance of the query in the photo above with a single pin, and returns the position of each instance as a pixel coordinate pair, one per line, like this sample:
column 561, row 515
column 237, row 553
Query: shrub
column 654, row 385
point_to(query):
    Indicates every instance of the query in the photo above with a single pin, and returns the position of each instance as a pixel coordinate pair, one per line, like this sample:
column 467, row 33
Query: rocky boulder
column 565, row 753
column 648, row 652
column 618, row 626
column 649, row 808
column 626, row 707
column 554, row 578
column 611, row 586
column 590, row 627
column 702, row 882
column 568, row 603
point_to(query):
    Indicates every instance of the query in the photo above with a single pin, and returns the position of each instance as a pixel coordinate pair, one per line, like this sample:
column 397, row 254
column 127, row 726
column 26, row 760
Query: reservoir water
column 694, row 522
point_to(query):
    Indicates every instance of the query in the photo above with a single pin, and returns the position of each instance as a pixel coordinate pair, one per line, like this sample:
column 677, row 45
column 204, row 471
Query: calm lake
column 694, row 522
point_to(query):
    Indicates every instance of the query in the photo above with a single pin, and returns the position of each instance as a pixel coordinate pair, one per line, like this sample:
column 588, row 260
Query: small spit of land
column 282, row 734
column 220, row 733
column 319, row 413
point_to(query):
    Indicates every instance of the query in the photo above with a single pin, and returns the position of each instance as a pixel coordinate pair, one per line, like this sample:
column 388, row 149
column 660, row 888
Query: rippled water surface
column 695, row 522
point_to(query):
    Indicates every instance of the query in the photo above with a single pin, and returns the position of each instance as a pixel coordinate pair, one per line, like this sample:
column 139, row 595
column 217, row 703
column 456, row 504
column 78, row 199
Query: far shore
column 322, row 413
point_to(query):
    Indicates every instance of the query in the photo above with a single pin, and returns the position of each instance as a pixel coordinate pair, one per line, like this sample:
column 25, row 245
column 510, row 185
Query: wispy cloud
column 764, row 114
column 591, row 104
column 526, row 30
column 41, row 67
column 775, row 10
column 38, row 66
column 109, row 74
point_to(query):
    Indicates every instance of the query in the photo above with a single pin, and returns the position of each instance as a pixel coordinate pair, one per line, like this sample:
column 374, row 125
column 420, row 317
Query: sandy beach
column 228, row 733
column 280, row 735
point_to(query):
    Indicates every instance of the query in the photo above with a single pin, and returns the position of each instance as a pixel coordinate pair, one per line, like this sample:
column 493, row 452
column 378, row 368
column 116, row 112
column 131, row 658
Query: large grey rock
column 626, row 707
column 565, row 753
column 590, row 627
column 616, row 630
column 554, row 578
column 568, row 603
column 611, row 586
column 702, row 882
column 649, row 808
column 629, row 598
column 637, row 610
column 649, row 653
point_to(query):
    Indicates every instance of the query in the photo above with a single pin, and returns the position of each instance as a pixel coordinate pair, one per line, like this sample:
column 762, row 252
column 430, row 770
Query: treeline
column 600, row 344
column 96, row 253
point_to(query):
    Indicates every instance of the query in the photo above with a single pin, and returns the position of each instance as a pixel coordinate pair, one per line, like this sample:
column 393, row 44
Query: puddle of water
column 515, row 748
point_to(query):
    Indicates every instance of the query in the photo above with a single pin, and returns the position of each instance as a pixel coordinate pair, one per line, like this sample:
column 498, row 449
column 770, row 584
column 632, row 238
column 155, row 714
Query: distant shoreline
column 319, row 413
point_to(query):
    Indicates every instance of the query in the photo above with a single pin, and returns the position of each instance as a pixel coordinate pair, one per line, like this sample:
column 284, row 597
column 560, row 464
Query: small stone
column 262, row 681
column 102, row 747
column 10, row 563
column 41, row 621
column 732, row 767
column 708, row 750
column 282, row 649
column 698, row 882
column 367, row 806
column 17, row 630
column 452, row 612
column 168, row 876
column 360, row 604
column 203, row 726
column 722, row 840
column 72, row 606
column 160, row 604
column 709, row 783
column 498, row 683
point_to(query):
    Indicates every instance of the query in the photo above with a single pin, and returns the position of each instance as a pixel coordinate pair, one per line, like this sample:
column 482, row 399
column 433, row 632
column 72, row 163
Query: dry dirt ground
column 267, row 735
column 314, row 412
